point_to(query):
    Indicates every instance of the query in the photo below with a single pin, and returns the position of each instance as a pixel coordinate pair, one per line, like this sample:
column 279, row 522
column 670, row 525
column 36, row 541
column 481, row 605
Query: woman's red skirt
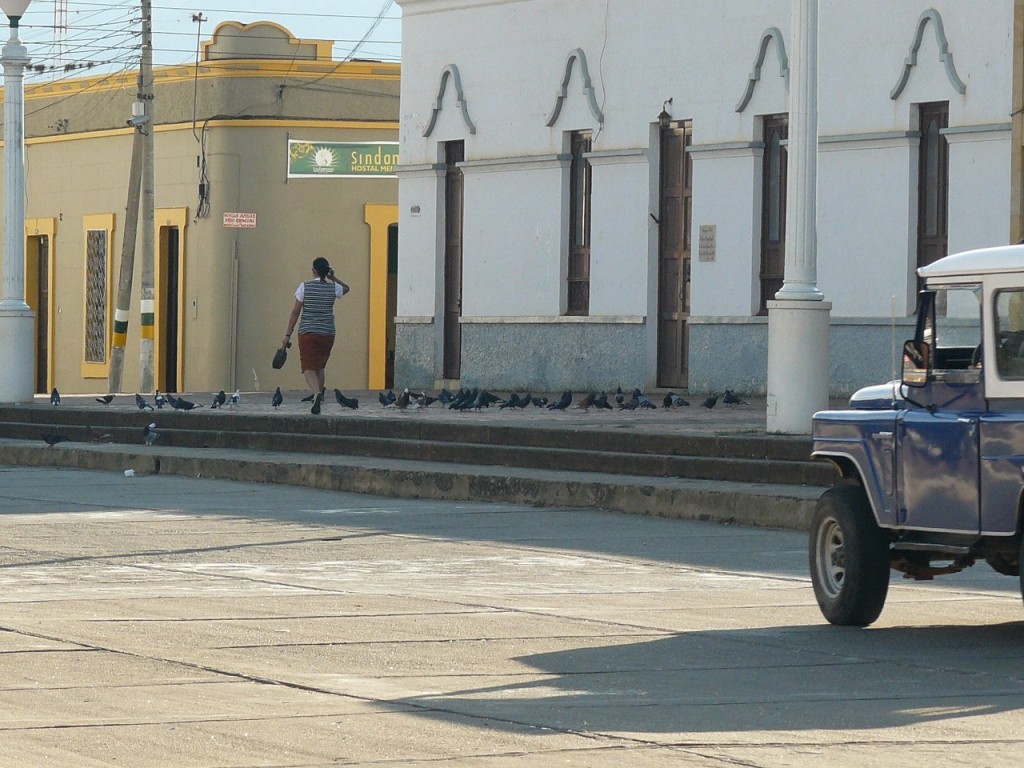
column 314, row 351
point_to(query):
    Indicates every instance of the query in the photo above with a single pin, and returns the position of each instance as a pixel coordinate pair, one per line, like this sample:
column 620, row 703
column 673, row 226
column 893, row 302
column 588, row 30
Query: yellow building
column 267, row 154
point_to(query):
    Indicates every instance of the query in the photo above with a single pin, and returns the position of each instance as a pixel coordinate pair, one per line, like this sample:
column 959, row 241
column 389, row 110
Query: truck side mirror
column 916, row 356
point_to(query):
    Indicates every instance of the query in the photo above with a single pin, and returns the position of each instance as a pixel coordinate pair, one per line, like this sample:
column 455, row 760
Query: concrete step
column 758, row 504
column 734, row 458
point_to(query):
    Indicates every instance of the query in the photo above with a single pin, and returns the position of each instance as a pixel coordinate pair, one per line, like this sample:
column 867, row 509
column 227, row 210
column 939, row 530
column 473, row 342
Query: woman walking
column 314, row 303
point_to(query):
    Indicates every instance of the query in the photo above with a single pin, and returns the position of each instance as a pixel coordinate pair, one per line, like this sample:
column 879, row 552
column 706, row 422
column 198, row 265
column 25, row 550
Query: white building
column 592, row 192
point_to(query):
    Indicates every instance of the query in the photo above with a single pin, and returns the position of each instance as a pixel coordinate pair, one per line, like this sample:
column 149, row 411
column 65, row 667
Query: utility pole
column 148, row 303
column 124, row 282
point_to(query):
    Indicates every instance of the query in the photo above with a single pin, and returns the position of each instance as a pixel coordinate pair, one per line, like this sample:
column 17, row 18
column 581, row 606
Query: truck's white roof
column 983, row 261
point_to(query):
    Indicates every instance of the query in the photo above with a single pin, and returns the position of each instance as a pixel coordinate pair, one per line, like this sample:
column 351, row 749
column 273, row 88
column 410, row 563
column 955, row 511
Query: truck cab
column 932, row 465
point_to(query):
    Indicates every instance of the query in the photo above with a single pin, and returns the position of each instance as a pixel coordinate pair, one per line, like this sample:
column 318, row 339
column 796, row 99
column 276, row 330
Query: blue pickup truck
column 932, row 464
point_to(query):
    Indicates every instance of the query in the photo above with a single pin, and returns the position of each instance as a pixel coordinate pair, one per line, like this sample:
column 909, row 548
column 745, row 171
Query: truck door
column 937, row 435
column 937, row 456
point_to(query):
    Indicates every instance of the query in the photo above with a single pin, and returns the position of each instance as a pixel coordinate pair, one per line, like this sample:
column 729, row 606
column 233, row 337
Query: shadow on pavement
column 756, row 680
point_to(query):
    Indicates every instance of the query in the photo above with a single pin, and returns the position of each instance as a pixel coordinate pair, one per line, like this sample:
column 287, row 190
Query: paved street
column 168, row 621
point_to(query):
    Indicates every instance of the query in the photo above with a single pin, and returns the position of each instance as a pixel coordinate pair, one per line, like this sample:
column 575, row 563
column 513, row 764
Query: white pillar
column 798, row 319
column 17, row 321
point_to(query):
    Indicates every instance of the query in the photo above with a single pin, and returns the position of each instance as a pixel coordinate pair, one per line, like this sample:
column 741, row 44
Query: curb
column 753, row 504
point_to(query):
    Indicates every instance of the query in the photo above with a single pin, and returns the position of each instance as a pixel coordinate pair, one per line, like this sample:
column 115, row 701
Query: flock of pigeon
column 476, row 399
column 463, row 400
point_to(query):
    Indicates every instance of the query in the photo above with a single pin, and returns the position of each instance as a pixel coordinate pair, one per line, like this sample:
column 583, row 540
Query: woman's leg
column 313, row 379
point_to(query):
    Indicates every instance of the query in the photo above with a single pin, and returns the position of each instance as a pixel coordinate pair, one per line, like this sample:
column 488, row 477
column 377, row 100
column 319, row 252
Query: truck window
column 1009, row 327
column 954, row 329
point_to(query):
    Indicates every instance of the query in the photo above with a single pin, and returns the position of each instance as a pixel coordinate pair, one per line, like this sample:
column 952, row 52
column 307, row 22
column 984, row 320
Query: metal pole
column 17, row 320
column 148, row 303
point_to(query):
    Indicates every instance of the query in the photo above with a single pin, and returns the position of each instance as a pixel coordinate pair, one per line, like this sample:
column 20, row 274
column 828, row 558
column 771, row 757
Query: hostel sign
column 347, row 160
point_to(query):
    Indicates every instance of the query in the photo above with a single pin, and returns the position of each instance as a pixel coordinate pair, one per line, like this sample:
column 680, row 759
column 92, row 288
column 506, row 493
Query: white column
column 798, row 319
column 17, row 321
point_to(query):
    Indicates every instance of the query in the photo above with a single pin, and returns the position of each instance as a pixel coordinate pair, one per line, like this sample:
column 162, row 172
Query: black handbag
column 279, row 357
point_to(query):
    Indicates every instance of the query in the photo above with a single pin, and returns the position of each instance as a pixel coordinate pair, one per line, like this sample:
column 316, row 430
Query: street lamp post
column 17, row 321
column 798, row 318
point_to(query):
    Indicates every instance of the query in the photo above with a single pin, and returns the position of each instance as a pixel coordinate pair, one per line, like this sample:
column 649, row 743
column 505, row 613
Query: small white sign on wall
column 707, row 245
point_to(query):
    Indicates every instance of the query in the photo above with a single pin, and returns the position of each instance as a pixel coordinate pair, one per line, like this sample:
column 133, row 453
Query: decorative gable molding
column 576, row 55
column 944, row 55
column 451, row 72
column 772, row 33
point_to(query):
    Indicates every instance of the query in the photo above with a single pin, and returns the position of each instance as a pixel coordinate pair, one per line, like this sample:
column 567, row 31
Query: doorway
column 454, row 153
column 37, row 296
column 674, row 243
column 168, row 302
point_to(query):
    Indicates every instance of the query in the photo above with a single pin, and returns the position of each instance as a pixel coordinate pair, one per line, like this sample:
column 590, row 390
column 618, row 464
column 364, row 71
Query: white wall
column 512, row 55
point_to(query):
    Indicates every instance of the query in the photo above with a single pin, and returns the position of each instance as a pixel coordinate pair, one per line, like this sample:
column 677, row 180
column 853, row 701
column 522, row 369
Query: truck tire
column 849, row 558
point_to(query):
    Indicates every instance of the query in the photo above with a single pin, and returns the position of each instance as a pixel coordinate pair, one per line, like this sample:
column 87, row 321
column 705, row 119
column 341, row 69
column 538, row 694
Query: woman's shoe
column 316, row 404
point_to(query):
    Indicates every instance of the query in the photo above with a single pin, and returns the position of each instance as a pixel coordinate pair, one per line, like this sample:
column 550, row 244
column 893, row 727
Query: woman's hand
column 286, row 341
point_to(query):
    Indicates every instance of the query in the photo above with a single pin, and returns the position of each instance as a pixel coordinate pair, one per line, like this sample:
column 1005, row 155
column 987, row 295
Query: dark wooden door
column 170, row 300
column 773, row 208
column 42, row 308
column 453, row 197
column 933, row 184
column 674, row 250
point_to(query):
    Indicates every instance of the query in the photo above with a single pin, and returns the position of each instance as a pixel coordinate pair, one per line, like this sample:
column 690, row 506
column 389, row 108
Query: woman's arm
column 293, row 318
column 344, row 286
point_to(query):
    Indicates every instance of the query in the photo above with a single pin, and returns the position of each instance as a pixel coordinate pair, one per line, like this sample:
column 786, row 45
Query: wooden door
column 39, row 250
column 674, row 250
column 773, row 208
column 933, row 184
column 453, row 208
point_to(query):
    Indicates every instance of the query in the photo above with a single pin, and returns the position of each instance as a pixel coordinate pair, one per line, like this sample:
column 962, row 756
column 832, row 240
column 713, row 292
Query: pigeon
column 444, row 396
column 55, row 397
column 539, row 402
column 423, row 401
column 402, row 401
column 141, row 404
column 181, row 404
column 309, row 398
column 346, row 402
column 601, row 402
column 219, row 399
column 487, row 399
column 463, row 399
column 96, row 436
column 171, row 400
column 562, row 403
column 512, row 402
column 672, row 400
column 233, row 400
column 383, row 400
column 149, row 433
column 106, row 399
column 620, row 398
column 629, row 405
column 587, row 402
column 277, row 399
column 709, row 403
column 52, row 440
column 731, row 398
column 642, row 400
column 160, row 400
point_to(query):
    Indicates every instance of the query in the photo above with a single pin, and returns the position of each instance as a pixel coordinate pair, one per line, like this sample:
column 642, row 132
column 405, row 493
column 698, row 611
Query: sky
column 107, row 33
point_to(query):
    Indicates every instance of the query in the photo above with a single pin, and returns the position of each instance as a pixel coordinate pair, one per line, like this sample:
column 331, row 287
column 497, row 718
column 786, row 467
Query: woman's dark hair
column 321, row 266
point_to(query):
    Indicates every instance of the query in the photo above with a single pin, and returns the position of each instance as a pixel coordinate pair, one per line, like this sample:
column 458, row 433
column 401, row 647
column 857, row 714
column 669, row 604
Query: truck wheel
column 849, row 558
